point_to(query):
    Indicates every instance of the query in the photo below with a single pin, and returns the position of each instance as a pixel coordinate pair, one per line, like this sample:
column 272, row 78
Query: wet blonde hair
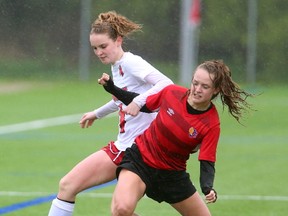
column 114, row 25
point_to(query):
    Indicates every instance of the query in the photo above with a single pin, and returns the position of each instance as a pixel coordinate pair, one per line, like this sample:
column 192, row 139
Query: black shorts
column 161, row 185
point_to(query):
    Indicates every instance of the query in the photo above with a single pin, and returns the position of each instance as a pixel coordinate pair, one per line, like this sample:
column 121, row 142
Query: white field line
column 109, row 195
column 253, row 197
column 41, row 123
column 37, row 124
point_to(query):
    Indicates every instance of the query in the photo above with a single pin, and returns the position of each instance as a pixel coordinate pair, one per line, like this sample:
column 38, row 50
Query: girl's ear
column 215, row 94
column 216, row 91
column 119, row 40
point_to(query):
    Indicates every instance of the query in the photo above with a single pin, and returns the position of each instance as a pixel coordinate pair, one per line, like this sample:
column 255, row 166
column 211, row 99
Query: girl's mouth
column 197, row 96
column 103, row 58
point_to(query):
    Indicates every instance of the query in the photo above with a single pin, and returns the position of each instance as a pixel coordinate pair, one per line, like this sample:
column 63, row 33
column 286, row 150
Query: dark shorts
column 161, row 185
column 113, row 152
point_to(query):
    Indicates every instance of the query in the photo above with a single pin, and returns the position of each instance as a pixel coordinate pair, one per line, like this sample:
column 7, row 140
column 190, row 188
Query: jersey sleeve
column 158, row 80
column 153, row 102
column 125, row 96
column 144, row 71
column 106, row 109
column 209, row 144
column 207, row 175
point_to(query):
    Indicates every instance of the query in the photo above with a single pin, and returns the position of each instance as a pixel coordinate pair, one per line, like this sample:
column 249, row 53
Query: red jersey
column 175, row 133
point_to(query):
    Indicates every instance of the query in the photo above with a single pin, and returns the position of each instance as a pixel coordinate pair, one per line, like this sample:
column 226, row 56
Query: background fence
column 41, row 38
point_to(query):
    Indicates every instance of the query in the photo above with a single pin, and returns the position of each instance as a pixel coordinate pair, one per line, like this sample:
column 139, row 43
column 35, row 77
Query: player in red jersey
column 187, row 122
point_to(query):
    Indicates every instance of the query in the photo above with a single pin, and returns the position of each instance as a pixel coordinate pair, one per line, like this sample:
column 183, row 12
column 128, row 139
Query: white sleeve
column 158, row 80
column 106, row 109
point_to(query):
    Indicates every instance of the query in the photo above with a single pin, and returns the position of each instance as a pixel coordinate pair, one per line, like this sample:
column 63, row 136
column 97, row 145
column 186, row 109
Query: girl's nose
column 198, row 88
column 97, row 52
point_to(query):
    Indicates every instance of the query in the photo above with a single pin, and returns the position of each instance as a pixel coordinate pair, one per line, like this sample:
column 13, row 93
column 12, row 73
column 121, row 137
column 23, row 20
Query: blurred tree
column 38, row 27
column 272, row 41
column 223, row 33
column 48, row 31
column 160, row 21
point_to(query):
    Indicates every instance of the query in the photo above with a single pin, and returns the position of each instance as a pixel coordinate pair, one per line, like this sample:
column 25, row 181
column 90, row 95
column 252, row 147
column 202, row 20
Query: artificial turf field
column 251, row 169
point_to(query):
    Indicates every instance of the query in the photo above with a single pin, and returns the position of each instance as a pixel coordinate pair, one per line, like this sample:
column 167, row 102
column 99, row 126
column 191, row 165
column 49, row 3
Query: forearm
column 125, row 96
column 207, row 174
column 159, row 82
column 106, row 109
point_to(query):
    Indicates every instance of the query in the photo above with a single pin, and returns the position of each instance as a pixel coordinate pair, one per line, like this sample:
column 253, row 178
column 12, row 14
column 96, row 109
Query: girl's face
column 202, row 89
column 106, row 49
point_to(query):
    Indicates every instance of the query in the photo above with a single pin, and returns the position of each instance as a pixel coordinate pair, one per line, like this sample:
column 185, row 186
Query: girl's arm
column 159, row 82
column 106, row 109
column 207, row 174
column 125, row 96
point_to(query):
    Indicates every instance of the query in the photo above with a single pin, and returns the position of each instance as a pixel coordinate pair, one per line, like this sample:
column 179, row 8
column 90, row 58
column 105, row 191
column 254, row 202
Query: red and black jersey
column 176, row 133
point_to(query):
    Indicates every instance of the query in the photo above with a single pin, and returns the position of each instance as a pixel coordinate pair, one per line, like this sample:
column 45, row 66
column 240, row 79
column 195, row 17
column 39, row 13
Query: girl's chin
column 196, row 99
column 104, row 61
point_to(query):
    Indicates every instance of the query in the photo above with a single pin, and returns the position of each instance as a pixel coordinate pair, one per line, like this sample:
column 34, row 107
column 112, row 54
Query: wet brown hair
column 230, row 92
column 114, row 25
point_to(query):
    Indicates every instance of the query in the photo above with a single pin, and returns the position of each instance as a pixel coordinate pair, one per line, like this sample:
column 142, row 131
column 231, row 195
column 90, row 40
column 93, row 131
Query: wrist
column 95, row 113
column 138, row 103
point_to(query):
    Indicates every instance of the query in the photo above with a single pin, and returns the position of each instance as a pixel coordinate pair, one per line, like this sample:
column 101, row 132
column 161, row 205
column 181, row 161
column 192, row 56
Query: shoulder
column 173, row 92
column 132, row 63
column 214, row 109
column 137, row 66
column 214, row 116
column 178, row 88
column 130, row 58
column 175, row 88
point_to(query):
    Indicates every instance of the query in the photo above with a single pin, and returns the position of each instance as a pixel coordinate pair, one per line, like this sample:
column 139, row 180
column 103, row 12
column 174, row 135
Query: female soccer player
column 130, row 72
column 187, row 122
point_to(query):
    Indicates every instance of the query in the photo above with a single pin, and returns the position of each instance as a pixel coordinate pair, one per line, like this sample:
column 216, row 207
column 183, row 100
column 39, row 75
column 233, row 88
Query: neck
column 121, row 53
column 118, row 57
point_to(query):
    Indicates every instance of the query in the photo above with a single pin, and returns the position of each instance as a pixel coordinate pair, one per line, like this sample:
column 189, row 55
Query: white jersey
column 134, row 74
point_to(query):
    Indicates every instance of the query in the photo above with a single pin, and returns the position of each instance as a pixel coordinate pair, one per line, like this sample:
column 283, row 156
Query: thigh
column 129, row 190
column 192, row 206
column 96, row 169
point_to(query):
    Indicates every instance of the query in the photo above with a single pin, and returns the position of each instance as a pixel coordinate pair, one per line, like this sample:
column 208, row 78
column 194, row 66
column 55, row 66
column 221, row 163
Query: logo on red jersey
column 121, row 72
column 170, row 111
column 193, row 132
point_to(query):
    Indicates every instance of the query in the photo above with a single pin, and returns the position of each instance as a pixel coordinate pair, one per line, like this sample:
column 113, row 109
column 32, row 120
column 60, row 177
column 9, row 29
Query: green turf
column 251, row 159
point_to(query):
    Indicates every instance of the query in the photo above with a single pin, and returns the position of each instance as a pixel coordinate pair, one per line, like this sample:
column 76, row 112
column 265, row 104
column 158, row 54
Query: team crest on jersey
column 121, row 72
column 193, row 132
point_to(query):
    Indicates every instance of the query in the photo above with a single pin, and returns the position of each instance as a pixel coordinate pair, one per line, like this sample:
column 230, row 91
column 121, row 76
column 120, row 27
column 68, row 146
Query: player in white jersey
column 130, row 72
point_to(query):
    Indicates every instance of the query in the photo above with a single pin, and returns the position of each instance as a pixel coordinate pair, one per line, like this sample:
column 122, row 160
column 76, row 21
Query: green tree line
column 46, row 31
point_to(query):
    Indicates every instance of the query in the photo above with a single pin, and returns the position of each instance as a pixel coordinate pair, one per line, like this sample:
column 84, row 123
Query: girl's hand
column 211, row 197
column 87, row 120
column 132, row 109
column 103, row 80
